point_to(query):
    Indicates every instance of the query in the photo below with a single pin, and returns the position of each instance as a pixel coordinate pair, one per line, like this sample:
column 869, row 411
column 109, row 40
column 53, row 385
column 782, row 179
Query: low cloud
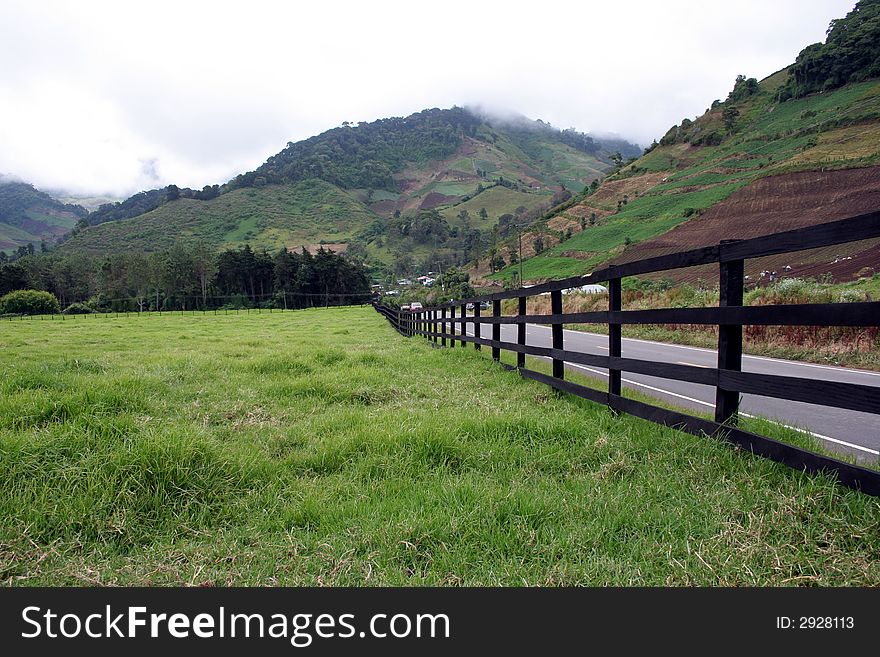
column 202, row 91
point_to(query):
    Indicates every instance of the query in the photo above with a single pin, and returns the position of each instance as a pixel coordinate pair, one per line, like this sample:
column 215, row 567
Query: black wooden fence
column 438, row 324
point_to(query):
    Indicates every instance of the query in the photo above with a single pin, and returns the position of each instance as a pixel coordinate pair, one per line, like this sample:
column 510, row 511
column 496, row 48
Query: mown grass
column 319, row 447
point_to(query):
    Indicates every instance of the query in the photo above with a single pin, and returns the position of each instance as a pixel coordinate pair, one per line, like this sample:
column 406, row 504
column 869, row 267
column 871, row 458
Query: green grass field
column 497, row 200
column 320, row 448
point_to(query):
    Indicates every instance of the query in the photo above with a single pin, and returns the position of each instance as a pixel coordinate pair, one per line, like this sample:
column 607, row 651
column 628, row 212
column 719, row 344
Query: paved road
column 842, row 430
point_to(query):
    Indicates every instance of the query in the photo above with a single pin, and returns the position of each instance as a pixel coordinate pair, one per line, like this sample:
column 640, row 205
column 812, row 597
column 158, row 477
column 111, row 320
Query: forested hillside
column 851, row 53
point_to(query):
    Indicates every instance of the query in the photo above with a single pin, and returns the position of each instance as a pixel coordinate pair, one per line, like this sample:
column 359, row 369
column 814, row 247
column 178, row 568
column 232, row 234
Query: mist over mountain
column 350, row 185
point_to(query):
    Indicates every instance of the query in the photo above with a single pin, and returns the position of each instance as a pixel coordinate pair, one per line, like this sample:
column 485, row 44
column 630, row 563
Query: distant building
column 587, row 289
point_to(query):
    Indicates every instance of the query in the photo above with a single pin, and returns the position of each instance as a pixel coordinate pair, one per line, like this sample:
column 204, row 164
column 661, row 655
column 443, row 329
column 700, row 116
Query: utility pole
column 520, row 253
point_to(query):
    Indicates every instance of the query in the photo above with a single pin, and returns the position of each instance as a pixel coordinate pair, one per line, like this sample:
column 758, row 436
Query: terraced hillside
column 744, row 168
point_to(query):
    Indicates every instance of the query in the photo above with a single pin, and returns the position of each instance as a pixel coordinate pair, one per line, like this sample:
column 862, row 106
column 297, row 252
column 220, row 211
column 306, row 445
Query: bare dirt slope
column 779, row 203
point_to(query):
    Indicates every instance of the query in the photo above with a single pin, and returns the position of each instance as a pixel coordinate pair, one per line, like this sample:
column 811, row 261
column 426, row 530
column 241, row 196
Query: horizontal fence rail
column 449, row 323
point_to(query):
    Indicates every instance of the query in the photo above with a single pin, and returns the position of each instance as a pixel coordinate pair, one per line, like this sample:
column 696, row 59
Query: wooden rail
column 730, row 316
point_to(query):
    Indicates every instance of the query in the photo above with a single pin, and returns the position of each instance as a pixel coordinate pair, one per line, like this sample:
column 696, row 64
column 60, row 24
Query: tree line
column 851, row 53
column 190, row 276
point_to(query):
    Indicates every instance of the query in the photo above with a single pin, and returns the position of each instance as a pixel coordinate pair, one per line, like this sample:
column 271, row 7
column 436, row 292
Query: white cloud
column 91, row 91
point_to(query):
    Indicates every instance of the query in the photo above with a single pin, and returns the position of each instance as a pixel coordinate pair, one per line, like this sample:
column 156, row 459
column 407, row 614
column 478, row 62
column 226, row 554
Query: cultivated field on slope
column 39, row 225
column 539, row 167
column 497, row 201
column 319, row 447
column 780, row 203
column 673, row 183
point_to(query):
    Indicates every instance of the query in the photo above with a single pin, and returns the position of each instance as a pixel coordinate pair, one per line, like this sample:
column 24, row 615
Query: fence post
column 614, row 334
column 496, row 329
column 452, row 326
column 463, row 323
column 729, row 335
column 521, row 334
column 443, row 330
column 478, row 333
column 434, row 325
column 556, row 309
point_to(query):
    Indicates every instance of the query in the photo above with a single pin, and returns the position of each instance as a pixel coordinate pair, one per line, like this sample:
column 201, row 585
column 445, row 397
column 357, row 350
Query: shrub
column 77, row 309
column 98, row 304
column 29, row 302
column 713, row 138
column 850, row 296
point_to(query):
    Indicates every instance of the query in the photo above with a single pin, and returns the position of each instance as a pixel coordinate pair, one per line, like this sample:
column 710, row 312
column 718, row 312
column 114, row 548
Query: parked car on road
column 415, row 305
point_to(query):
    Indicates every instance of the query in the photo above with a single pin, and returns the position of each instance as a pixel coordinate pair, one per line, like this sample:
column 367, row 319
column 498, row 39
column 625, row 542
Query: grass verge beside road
column 321, row 448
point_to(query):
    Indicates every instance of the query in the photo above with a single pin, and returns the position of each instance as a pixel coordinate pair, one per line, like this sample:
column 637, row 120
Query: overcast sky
column 116, row 97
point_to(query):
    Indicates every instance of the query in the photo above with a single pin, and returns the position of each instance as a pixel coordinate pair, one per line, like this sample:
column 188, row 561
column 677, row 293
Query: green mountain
column 797, row 148
column 428, row 186
column 29, row 216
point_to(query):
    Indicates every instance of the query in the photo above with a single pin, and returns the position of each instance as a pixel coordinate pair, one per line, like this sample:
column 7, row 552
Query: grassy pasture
column 319, row 447
column 266, row 217
column 497, row 200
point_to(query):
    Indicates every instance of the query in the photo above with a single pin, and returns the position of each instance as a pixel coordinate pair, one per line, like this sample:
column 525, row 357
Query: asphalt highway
column 842, row 430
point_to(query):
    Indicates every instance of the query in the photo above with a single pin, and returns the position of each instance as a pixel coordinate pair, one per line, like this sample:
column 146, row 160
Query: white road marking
column 819, row 435
column 700, row 401
column 821, row 367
